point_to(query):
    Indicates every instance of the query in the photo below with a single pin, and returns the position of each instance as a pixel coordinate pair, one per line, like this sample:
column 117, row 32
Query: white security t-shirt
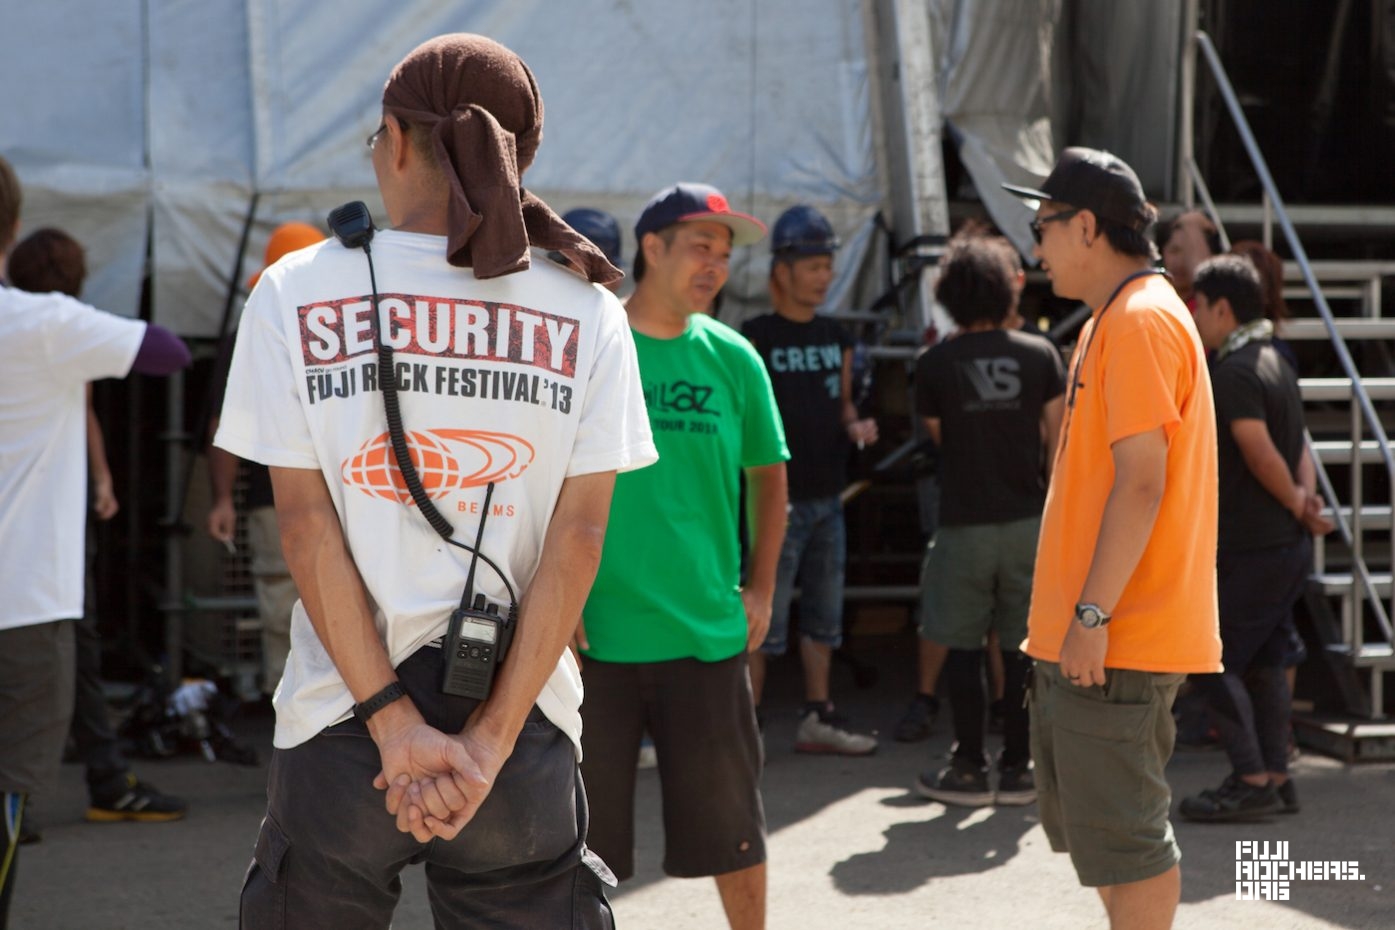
column 50, row 347
column 523, row 381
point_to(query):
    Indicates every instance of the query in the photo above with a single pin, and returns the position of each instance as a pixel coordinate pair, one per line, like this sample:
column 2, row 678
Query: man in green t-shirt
column 668, row 625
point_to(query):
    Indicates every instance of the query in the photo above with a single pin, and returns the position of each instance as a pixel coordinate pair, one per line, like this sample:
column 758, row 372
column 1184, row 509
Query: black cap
column 1096, row 181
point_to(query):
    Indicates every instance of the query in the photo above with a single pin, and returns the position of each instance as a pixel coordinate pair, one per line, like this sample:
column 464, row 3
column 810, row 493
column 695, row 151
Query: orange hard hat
column 285, row 239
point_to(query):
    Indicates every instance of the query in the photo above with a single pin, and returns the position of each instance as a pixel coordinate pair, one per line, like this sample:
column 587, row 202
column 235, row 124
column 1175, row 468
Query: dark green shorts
column 1100, row 757
column 977, row 578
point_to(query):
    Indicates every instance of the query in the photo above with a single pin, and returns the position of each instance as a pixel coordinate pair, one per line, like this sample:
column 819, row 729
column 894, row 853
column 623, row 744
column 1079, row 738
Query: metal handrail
column 1361, row 400
column 1199, row 183
column 1344, row 530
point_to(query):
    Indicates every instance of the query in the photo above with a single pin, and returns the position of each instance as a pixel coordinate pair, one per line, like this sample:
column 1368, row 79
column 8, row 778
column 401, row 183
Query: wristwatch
column 378, row 701
column 1091, row 616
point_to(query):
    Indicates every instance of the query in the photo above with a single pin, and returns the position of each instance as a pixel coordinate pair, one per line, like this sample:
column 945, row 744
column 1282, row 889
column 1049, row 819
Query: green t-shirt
column 668, row 585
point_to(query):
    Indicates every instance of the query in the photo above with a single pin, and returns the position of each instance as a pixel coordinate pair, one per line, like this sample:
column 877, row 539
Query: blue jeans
column 813, row 554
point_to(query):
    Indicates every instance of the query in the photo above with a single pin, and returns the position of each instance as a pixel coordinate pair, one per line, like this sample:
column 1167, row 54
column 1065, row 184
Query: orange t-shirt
column 1145, row 369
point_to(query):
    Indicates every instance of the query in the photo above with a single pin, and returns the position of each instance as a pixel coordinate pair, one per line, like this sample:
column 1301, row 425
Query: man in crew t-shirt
column 519, row 400
column 668, row 625
column 809, row 358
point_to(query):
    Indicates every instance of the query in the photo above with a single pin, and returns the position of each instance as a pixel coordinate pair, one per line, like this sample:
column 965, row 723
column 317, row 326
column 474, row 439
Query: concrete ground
column 851, row 846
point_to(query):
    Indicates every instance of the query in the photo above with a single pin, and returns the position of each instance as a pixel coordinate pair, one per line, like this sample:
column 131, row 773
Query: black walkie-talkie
column 475, row 642
column 477, row 638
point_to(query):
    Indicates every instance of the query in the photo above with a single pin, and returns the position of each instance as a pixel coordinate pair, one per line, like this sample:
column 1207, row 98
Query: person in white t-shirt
column 520, row 400
column 51, row 346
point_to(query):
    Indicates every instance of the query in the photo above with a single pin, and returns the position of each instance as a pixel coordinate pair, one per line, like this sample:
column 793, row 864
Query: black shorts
column 703, row 723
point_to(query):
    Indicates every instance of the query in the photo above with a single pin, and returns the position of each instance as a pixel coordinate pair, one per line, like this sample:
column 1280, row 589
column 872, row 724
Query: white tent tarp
column 145, row 127
column 168, row 114
column 74, row 128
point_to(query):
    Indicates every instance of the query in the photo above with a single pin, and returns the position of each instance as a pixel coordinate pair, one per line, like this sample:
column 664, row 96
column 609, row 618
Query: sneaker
column 1016, row 785
column 1288, row 796
column 132, row 799
column 818, row 734
column 648, row 756
column 962, row 783
column 1233, row 800
column 915, row 724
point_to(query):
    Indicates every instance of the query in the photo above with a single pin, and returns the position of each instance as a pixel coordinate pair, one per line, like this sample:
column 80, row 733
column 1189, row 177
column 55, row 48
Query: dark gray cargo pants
column 329, row 854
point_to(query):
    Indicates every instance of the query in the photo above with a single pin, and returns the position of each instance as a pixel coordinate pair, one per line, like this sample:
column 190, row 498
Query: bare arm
column 860, row 430
column 767, row 507
column 1297, row 492
column 550, row 607
column 1140, row 477
column 222, row 472
column 932, row 426
column 1051, row 415
column 331, row 587
column 104, row 502
column 1268, row 466
column 1307, row 472
column 1313, row 519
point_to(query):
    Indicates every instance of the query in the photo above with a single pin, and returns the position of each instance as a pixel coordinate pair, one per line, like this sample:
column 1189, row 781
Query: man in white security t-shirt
column 520, row 400
column 51, row 346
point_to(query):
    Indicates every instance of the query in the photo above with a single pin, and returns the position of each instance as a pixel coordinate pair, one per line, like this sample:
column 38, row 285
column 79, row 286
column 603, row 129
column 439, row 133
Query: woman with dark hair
column 48, row 260
column 1189, row 240
column 1271, row 286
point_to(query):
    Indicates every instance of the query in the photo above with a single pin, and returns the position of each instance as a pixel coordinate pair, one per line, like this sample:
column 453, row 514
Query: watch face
column 1089, row 616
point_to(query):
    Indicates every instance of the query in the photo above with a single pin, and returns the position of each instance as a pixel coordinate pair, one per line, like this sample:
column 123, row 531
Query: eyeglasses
column 1053, row 218
column 373, row 140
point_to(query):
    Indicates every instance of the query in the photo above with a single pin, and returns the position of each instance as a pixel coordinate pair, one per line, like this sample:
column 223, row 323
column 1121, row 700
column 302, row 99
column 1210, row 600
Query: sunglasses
column 1053, row 218
column 373, row 139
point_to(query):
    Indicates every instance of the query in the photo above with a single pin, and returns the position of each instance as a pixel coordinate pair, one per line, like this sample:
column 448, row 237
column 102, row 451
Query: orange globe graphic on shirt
column 374, row 468
column 446, row 460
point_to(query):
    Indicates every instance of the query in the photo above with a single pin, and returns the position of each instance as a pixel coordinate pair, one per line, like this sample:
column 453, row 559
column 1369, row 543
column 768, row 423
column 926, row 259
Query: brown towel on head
column 486, row 118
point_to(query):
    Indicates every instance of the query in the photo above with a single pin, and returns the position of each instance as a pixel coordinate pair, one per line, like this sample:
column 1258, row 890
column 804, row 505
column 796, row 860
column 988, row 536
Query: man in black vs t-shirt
column 1268, row 513
column 992, row 399
column 809, row 358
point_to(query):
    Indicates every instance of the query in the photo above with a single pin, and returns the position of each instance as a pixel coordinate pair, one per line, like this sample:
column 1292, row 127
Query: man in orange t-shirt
column 1124, row 596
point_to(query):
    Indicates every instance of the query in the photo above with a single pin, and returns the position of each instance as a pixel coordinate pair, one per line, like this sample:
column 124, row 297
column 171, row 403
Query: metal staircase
column 1349, row 599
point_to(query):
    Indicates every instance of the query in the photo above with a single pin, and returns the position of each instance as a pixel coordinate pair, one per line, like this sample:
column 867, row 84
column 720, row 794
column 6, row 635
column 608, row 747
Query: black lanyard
column 1075, row 381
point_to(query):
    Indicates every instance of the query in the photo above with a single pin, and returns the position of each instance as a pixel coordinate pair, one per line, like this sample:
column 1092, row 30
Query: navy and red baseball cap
column 1099, row 182
column 690, row 202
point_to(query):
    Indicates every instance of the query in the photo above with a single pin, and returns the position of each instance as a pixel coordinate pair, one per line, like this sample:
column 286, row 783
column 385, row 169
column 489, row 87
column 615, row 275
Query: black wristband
column 378, row 701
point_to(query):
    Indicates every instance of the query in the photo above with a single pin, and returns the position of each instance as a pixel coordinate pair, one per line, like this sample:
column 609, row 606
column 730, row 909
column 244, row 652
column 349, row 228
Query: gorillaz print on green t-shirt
column 668, row 585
